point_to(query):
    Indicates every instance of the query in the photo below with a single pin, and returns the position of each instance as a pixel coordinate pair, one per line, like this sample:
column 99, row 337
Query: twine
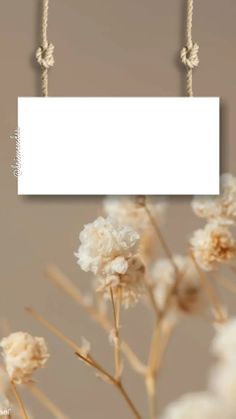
column 189, row 54
column 44, row 54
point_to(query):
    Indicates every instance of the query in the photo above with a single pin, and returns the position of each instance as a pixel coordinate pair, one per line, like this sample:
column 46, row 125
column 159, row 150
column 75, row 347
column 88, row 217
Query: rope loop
column 189, row 56
column 44, row 56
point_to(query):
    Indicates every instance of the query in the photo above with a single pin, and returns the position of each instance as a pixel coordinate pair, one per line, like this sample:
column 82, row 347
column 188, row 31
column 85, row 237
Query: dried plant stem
column 45, row 401
column 220, row 316
column 116, row 317
column 62, row 281
column 226, row 283
column 149, row 288
column 161, row 238
column 53, row 329
column 89, row 360
column 116, row 382
column 159, row 343
column 19, row 400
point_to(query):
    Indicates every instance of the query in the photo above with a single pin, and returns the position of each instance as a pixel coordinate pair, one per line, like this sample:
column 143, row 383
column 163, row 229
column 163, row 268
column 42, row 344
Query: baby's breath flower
column 187, row 295
column 110, row 252
column 223, row 382
column 224, row 342
column 202, row 405
column 102, row 242
column 130, row 284
column 23, row 354
column 85, row 347
column 221, row 208
column 129, row 211
column 211, row 245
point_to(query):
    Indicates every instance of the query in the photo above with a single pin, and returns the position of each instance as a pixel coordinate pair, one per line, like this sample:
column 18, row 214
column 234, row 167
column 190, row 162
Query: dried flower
column 188, row 292
column 221, row 208
column 211, row 245
column 223, row 382
column 130, row 284
column 102, row 242
column 110, row 252
column 224, row 342
column 85, row 347
column 202, row 405
column 23, row 354
column 130, row 211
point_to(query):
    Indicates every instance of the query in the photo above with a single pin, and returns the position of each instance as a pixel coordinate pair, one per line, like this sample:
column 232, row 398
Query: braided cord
column 44, row 54
column 189, row 54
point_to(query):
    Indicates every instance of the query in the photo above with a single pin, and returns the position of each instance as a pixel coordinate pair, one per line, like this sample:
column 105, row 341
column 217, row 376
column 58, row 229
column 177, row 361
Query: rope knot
column 189, row 56
column 44, row 56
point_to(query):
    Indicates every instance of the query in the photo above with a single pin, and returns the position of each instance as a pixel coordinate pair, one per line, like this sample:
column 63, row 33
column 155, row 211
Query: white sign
column 118, row 146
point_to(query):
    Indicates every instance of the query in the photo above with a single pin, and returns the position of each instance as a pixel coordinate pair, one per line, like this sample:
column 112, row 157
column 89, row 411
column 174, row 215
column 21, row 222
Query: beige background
column 102, row 48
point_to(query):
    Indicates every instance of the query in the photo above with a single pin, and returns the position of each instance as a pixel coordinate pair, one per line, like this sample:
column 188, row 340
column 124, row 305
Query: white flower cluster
column 223, row 375
column 218, row 401
column 127, row 211
column 187, row 296
column 203, row 405
column 110, row 251
column 23, row 354
column 214, row 243
column 221, row 208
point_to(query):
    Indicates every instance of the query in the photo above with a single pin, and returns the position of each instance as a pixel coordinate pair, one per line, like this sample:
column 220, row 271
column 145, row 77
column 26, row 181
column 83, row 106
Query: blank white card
column 118, row 146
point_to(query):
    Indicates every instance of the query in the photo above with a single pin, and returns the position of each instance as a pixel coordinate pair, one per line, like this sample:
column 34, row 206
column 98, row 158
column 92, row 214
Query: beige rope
column 189, row 54
column 44, row 54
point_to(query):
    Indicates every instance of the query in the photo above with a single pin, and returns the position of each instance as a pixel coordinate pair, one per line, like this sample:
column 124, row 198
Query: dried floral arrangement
column 118, row 250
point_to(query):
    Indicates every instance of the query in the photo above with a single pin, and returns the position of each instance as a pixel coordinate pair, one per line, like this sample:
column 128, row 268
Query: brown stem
column 88, row 360
column 161, row 238
column 128, row 400
column 53, row 329
column 116, row 317
column 19, row 400
column 226, row 283
column 58, row 278
column 46, row 402
column 213, row 298
column 152, row 299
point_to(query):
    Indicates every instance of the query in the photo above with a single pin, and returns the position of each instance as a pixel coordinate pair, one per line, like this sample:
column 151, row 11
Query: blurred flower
column 85, row 347
column 202, row 405
column 4, row 406
column 223, row 382
column 221, row 208
column 211, row 245
column 188, row 292
column 23, row 354
column 127, row 211
column 224, row 342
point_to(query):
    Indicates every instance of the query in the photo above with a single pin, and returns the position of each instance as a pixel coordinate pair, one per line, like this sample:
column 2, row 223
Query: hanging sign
column 115, row 145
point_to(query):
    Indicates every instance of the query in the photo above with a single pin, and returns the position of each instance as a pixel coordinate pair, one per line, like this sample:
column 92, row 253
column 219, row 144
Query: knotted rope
column 189, row 54
column 44, row 54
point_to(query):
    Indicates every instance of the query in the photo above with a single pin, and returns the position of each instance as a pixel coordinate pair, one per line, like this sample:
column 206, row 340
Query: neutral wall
column 125, row 48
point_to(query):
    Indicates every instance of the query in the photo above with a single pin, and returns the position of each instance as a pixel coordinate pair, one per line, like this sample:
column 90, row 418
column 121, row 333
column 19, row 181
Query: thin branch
column 116, row 317
column 19, row 400
column 161, row 238
column 213, row 298
column 62, row 281
column 73, row 345
column 226, row 283
column 88, row 359
column 45, row 401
